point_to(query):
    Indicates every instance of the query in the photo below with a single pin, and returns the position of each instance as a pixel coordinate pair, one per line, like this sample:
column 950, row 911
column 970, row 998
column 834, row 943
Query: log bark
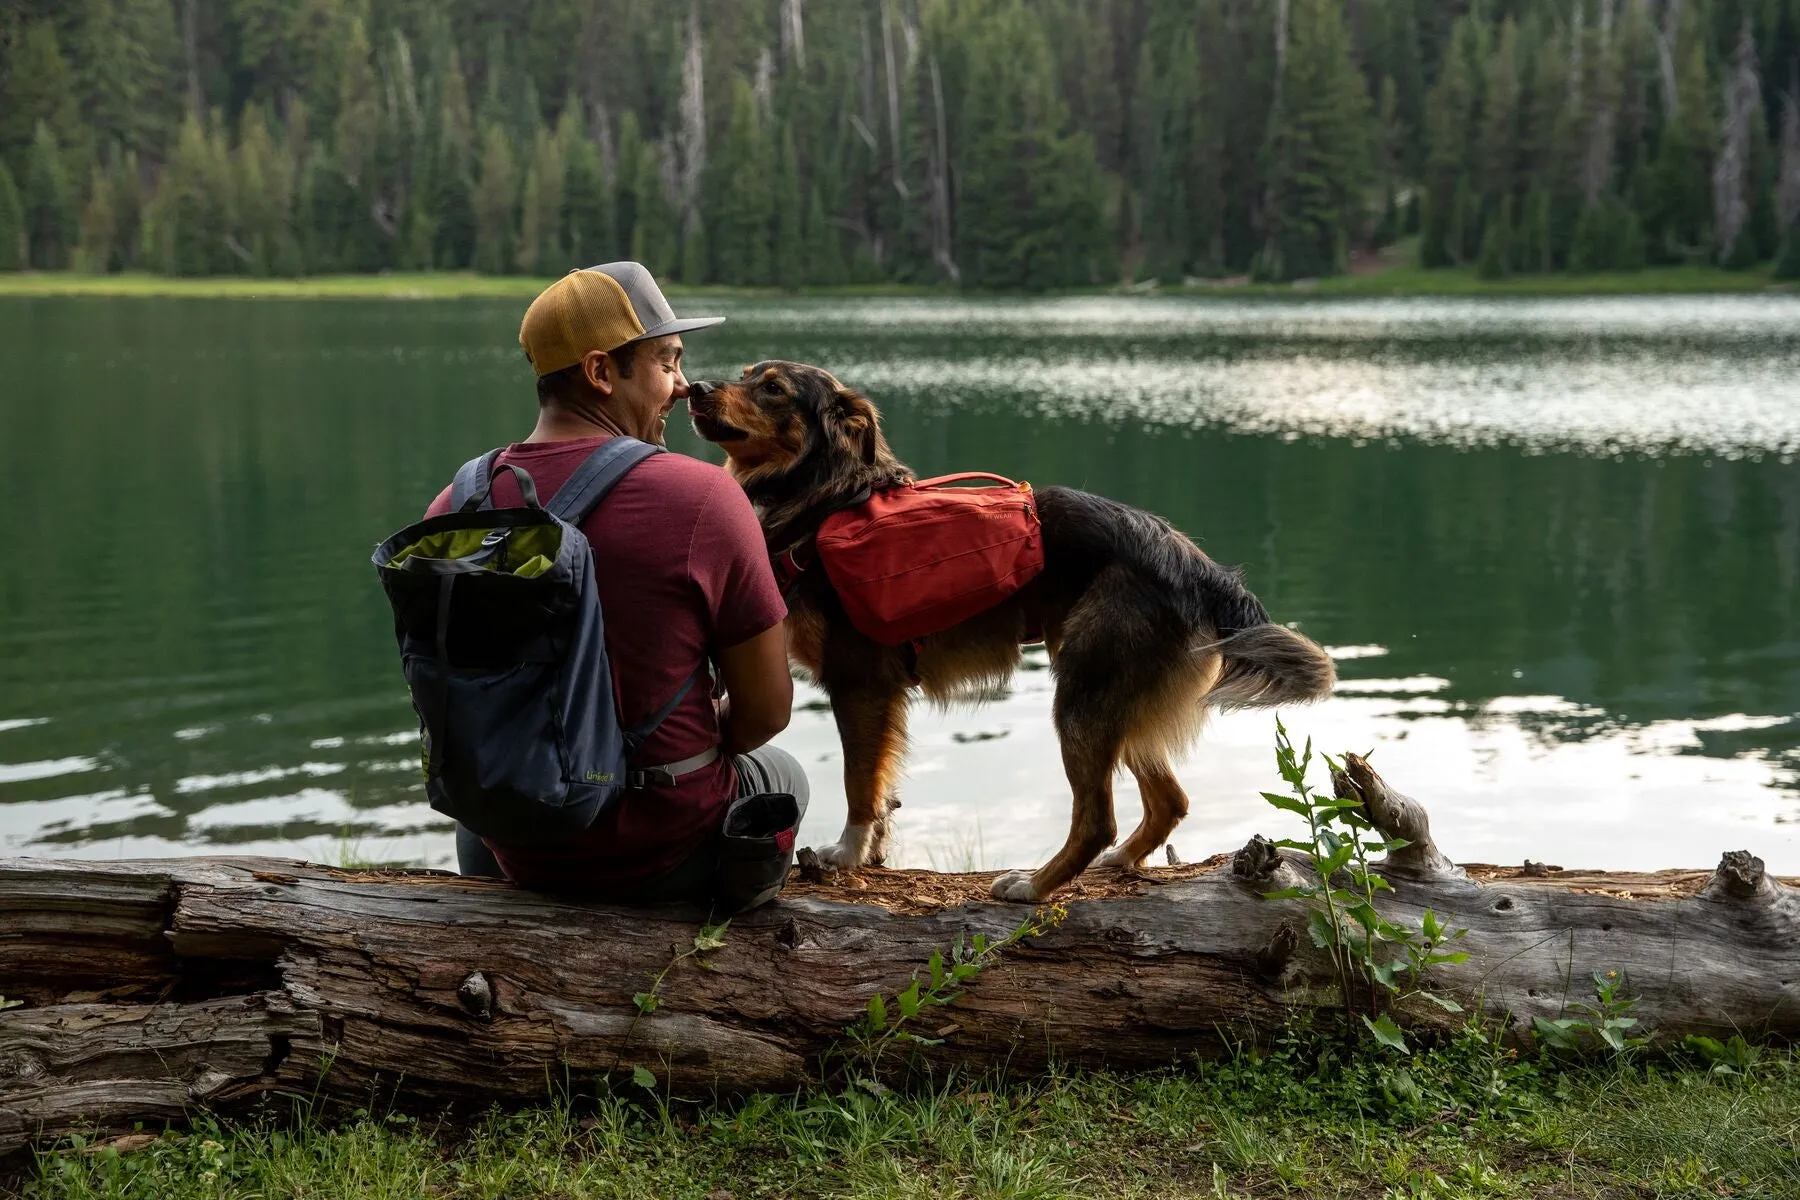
column 152, row 987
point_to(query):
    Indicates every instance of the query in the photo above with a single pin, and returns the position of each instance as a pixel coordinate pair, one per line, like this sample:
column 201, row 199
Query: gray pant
column 767, row 769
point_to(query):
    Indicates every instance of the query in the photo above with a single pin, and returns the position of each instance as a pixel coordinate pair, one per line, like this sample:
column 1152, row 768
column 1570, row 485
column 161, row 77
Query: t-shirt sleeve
column 730, row 566
column 441, row 505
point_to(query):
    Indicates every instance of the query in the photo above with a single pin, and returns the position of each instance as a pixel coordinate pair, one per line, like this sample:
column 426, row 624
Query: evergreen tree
column 587, row 216
column 494, row 202
column 124, row 53
column 37, row 87
column 1028, row 208
column 12, row 223
column 742, row 195
column 264, row 188
column 1532, row 245
column 1679, row 196
column 654, row 233
column 1787, row 258
column 453, row 179
column 348, row 205
column 1318, row 158
column 1496, row 243
column 628, row 156
column 824, row 252
column 540, row 245
column 51, row 221
column 99, row 229
column 1451, row 116
column 789, row 265
column 1174, row 239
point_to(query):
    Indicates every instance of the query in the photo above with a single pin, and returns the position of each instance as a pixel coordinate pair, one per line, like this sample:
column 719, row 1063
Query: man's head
column 605, row 343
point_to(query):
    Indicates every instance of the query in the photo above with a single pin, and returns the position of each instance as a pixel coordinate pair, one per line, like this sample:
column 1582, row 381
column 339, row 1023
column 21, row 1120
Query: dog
column 1146, row 634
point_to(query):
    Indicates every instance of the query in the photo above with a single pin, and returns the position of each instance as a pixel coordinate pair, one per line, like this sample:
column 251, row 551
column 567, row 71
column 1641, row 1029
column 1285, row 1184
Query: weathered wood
column 150, row 987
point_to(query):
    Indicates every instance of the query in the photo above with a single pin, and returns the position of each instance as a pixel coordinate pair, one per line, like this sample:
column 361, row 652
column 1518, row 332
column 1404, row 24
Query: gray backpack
column 503, row 644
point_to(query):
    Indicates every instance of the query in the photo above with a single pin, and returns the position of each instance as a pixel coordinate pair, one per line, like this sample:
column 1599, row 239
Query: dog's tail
column 1270, row 665
column 1266, row 665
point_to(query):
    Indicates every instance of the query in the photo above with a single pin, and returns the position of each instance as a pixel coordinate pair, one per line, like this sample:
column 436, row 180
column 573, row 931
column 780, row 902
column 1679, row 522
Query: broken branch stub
column 1396, row 816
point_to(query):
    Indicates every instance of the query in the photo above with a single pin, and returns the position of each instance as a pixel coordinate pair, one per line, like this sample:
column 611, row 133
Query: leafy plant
column 710, row 937
column 1603, row 1023
column 1379, row 964
column 1734, row 1057
column 886, row 1019
column 6, row 1004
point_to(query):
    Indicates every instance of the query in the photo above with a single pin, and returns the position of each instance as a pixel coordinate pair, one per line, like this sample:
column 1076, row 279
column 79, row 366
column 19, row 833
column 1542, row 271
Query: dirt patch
column 929, row 891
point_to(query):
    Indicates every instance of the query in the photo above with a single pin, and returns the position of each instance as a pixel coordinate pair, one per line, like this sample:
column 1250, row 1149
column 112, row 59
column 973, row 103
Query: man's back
column 681, row 571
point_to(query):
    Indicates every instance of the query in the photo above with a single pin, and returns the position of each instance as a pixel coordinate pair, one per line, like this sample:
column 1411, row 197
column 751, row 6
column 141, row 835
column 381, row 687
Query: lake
column 1554, row 545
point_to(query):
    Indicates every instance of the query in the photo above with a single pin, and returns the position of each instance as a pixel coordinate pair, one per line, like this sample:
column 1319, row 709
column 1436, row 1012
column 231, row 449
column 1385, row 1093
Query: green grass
column 1310, row 1119
column 1463, row 281
column 1396, row 280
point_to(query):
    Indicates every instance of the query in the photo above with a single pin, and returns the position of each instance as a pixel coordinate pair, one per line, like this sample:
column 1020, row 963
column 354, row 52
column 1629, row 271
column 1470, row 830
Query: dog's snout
column 699, row 389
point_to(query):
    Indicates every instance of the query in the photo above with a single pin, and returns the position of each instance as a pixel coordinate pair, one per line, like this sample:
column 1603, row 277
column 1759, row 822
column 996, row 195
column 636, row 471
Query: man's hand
column 759, row 692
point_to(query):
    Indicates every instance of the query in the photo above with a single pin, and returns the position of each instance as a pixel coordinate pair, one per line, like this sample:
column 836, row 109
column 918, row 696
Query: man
column 682, row 574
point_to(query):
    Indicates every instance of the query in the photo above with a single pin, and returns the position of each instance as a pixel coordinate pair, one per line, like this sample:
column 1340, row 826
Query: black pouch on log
column 755, row 851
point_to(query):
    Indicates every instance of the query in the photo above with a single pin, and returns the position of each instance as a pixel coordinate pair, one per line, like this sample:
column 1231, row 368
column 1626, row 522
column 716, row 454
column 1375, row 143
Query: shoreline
column 1391, row 283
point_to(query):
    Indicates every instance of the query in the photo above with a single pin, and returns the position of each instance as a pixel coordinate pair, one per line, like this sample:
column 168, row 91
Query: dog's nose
column 699, row 389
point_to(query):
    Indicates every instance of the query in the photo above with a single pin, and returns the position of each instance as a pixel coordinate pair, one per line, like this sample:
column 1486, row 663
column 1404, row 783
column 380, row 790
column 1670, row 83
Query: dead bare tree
column 793, row 34
column 690, row 146
column 1743, row 105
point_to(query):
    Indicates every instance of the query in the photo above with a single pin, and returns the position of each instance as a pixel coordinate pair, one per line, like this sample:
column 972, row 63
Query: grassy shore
column 1395, row 280
column 1305, row 1119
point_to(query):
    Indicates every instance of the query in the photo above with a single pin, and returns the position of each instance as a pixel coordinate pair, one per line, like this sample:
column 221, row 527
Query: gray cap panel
column 647, row 300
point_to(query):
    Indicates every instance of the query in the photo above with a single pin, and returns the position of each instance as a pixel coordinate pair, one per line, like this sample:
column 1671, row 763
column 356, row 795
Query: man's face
column 645, row 397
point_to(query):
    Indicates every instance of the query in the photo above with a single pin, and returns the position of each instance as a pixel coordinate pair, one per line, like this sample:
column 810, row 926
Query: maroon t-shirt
column 682, row 572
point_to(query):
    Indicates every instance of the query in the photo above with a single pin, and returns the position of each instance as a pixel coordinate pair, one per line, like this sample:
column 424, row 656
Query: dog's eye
column 771, row 387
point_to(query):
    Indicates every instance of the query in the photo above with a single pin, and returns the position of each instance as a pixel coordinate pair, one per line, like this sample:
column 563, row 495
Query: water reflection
column 1554, row 544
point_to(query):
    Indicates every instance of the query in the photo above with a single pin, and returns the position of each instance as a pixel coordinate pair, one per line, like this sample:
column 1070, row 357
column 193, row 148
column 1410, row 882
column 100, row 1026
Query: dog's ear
column 859, row 422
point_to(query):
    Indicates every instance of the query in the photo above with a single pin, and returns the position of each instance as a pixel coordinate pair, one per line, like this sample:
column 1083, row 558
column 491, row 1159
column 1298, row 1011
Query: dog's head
column 789, row 430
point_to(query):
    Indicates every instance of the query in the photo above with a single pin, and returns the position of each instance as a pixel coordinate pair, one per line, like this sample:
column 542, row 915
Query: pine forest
column 992, row 144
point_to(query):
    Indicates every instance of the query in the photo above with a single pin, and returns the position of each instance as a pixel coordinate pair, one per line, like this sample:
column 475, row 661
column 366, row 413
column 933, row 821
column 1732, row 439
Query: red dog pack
column 918, row 559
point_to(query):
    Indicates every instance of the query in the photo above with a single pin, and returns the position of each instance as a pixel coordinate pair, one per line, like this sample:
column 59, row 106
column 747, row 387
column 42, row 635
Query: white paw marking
column 1116, row 857
column 1016, row 887
column 850, row 851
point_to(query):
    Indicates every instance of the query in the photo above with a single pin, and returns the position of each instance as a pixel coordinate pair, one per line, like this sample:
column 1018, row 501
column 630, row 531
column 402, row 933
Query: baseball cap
column 598, row 308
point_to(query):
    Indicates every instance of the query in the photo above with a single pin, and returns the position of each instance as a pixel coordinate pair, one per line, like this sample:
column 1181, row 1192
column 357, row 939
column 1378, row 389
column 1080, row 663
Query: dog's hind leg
column 872, row 727
column 1169, row 716
column 1092, row 712
column 1165, row 804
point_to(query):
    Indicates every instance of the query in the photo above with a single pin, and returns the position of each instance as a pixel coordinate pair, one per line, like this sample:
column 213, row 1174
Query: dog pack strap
column 471, row 477
column 960, row 476
column 595, row 477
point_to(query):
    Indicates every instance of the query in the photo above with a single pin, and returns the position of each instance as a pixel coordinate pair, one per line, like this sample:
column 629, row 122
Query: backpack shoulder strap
column 471, row 477
column 595, row 477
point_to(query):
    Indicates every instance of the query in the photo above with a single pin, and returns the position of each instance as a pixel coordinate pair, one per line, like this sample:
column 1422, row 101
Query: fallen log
column 152, row 987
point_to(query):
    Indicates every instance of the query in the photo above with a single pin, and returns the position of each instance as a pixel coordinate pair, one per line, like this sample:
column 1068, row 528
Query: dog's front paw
column 1016, row 887
column 849, row 852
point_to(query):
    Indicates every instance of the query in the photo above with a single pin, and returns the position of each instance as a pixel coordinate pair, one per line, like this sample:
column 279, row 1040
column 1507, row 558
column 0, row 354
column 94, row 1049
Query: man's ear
column 601, row 370
column 860, row 423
